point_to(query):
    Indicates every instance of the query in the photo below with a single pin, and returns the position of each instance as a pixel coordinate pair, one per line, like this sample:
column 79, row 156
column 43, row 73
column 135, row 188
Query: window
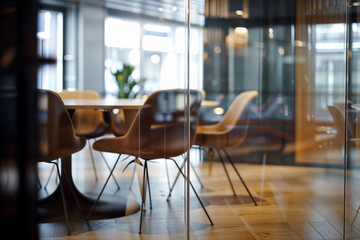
column 50, row 47
column 156, row 51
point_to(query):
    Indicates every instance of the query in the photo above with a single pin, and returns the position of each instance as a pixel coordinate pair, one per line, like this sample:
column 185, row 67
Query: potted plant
column 126, row 83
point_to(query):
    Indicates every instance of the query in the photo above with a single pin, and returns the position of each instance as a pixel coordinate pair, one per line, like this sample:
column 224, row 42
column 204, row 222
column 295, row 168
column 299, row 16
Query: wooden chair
column 56, row 134
column 157, row 132
column 88, row 123
column 339, row 125
column 229, row 132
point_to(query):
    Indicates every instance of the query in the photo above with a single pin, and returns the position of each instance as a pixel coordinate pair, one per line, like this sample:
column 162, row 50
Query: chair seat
column 213, row 137
column 91, row 131
column 88, row 123
column 156, row 144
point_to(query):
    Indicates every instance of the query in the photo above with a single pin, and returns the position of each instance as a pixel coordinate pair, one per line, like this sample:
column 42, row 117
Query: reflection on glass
column 280, row 163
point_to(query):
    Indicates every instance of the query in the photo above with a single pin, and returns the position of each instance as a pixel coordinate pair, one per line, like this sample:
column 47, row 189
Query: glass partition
column 255, row 102
column 120, row 126
column 352, row 130
column 290, row 147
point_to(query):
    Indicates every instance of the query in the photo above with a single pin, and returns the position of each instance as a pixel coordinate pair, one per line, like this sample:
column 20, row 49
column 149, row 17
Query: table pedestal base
column 51, row 208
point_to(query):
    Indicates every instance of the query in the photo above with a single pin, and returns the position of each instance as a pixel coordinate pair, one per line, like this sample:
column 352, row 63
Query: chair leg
column 196, row 175
column 39, row 184
column 132, row 177
column 177, row 177
column 107, row 164
column 226, row 172
column 92, row 160
column 197, row 196
column 51, row 172
column 200, row 154
column 167, row 175
column 210, row 154
column 241, row 179
column 143, row 197
column 63, row 200
column 102, row 190
column 48, row 180
column 263, row 177
column 148, row 184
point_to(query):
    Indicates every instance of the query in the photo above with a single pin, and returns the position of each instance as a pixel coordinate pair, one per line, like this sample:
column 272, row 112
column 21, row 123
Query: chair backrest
column 79, row 94
column 162, row 122
column 56, row 132
column 339, row 124
column 121, row 122
column 234, row 115
column 85, row 120
column 232, row 129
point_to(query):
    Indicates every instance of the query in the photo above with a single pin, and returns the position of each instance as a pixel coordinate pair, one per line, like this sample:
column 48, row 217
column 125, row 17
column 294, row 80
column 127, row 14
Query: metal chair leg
column 167, row 175
column 92, row 160
column 107, row 164
column 143, row 197
column 148, row 184
column 39, row 184
column 210, row 154
column 177, row 177
column 241, row 179
column 48, row 180
column 197, row 196
column 63, row 200
column 102, row 190
column 226, row 172
column 262, row 177
column 132, row 177
column 196, row 175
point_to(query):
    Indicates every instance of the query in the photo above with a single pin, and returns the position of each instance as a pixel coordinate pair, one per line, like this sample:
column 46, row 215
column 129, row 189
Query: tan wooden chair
column 88, row 123
column 339, row 125
column 229, row 132
column 121, row 122
column 56, row 134
column 157, row 132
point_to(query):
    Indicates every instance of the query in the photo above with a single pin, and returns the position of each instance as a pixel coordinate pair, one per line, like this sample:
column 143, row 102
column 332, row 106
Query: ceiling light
column 281, row 51
column 160, row 9
column 174, row 9
column 239, row 12
column 217, row 50
column 218, row 111
column 241, row 30
column 356, row 4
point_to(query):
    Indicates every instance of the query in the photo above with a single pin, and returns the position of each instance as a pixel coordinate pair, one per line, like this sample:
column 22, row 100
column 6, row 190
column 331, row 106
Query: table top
column 105, row 103
column 113, row 103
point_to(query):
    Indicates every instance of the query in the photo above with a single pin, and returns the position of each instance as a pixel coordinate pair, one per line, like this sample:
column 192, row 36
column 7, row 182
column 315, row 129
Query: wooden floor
column 293, row 203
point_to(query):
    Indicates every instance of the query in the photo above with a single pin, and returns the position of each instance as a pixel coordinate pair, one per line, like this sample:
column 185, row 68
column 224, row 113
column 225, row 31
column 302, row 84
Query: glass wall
column 262, row 101
column 352, row 157
column 297, row 141
column 125, row 71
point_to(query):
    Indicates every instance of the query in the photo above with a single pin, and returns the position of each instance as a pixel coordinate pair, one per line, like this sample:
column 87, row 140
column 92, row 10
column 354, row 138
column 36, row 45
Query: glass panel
column 352, row 206
column 121, row 126
column 287, row 142
column 273, row 140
